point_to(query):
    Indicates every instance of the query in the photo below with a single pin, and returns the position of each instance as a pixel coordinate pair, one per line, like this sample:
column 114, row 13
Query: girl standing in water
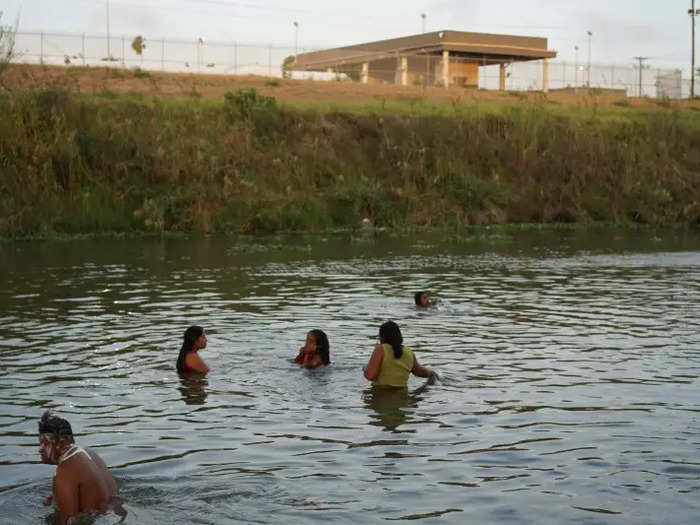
column 391, row 363
column 188, row 360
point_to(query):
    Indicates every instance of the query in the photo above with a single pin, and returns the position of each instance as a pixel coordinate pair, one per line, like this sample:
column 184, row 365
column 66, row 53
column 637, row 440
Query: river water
column 569, row 371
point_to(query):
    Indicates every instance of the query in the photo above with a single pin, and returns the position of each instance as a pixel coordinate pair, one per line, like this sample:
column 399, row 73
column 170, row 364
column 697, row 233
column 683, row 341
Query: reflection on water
column 193, row 389
column 569, row 367
column 393, row 405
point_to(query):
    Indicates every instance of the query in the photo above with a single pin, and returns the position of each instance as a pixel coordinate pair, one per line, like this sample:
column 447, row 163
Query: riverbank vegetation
column 72, row 163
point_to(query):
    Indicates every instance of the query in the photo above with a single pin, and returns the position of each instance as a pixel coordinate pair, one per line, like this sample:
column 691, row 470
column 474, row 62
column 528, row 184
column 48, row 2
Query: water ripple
column 569, row 377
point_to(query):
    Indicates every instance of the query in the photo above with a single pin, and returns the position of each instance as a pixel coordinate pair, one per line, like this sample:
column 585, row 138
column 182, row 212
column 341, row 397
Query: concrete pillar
column 364, row 75
column 446, row 68
column 403, row 62
column 545, row 75
column 502, row 77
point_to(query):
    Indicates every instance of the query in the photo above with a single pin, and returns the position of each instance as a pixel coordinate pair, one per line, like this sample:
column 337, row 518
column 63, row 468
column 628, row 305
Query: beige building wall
column 384, row 71
column 387, row 71
column 464, row 74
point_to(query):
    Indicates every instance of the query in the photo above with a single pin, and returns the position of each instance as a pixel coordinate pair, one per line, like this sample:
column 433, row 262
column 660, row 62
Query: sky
column 622, row 29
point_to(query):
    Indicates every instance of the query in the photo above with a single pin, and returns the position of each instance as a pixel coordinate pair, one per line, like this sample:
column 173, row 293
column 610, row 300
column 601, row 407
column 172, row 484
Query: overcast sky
column 622, row 29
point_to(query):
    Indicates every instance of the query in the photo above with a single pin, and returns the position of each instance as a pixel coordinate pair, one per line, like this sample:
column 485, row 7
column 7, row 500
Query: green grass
column 89, row 164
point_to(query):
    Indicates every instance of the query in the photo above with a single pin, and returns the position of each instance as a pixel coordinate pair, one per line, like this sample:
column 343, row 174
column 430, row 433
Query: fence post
column 563, row 76
column 83, row 49
column 41, row 52
column 612, row 77
column 427, row 71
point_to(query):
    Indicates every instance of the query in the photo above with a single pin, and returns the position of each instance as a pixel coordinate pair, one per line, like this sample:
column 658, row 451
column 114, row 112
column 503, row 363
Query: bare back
column 83, row 484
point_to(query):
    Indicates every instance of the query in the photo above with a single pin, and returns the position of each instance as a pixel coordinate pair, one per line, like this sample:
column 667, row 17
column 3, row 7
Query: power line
column 248, row 6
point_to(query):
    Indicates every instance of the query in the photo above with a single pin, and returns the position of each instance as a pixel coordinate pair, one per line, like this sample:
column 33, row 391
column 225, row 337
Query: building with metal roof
column 440, row 58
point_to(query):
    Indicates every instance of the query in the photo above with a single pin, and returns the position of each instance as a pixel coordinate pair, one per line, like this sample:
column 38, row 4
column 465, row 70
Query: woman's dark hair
column 389, row 333
column 417, row 297
column 322, row 346
column 191, row 335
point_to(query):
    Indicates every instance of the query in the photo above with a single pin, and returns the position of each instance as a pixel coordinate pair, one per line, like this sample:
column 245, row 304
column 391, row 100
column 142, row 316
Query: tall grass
column 80, row 164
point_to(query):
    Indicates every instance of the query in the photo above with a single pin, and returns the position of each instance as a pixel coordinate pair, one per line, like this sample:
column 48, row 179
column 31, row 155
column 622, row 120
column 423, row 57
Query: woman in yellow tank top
column 391, row 362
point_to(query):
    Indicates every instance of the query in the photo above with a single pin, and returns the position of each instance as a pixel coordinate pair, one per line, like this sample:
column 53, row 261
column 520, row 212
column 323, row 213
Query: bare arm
column 311, row 360
column 48, row 500
column 374, row 365
column 421, row 371
column 67, row 496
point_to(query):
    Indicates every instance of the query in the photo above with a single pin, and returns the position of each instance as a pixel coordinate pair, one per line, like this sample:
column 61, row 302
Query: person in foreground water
column 188, row 360
column 391, row 363
column 421, row 299
column 82, row 482
column 316, row 350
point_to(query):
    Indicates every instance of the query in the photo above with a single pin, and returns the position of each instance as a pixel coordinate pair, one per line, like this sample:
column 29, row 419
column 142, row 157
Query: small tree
column 287, row 65
column 138, row 45
column 7, row 44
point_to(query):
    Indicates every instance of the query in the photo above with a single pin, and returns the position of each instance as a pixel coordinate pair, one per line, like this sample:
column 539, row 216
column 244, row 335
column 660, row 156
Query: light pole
column 576, row 69
column 200, row 41
column 423, row 16
column 588, row 80
column 296, row 40
column 109, row 53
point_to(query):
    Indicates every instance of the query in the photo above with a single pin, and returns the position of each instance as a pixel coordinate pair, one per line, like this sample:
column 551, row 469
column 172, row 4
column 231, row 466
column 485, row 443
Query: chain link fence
column 199, row 56
column 649, row 82
column 236, row 58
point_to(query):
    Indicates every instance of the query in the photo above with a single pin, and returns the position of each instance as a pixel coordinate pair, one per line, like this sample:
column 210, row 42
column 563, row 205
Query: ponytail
column 389, row 333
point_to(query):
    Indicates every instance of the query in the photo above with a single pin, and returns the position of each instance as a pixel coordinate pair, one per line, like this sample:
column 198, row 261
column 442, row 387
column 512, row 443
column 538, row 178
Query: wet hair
column 389, row 333
column 322, row 346
column 191, row 335
column 56, row 426
column 417, row 297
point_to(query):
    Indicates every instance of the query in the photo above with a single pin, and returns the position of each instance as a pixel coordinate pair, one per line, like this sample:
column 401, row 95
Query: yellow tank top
column 394, row 372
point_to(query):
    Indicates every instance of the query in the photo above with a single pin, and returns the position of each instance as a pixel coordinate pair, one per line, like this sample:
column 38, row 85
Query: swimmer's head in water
column 54, row 433
column 421, row 299
column 322, row 345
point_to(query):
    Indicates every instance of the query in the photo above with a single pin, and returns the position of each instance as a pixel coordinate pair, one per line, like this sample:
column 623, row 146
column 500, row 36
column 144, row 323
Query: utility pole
column 109, row 53
column 576, row 69
column 423, row 16
column 641, row 66
column 588, row 81
column 693, row 13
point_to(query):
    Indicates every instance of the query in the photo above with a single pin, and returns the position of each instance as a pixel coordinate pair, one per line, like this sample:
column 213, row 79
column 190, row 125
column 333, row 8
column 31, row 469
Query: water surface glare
column 569, row 367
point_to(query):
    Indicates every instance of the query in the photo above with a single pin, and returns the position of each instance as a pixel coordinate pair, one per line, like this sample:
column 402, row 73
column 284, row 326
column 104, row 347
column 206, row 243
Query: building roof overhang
column 475, row 47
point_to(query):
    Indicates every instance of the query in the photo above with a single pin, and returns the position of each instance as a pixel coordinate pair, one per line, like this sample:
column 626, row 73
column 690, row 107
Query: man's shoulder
column 78, row 460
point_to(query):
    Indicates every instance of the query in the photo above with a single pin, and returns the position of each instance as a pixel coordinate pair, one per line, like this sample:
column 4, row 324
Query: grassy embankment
column 73, row 163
